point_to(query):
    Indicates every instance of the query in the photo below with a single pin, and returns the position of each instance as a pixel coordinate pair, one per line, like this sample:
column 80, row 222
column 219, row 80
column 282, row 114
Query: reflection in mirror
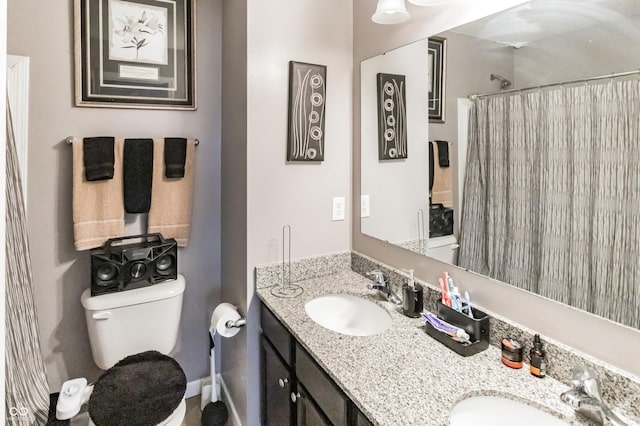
column 536, row 162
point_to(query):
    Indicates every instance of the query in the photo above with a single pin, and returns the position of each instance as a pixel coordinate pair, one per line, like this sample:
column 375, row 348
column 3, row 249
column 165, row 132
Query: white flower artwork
column 137, row 33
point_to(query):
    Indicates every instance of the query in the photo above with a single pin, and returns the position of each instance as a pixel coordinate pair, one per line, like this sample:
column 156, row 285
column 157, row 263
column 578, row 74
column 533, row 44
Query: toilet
column 131, row 332
column 443, row 248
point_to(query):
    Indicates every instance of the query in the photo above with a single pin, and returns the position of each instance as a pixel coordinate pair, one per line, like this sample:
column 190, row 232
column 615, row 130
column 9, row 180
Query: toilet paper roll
column 221, row 314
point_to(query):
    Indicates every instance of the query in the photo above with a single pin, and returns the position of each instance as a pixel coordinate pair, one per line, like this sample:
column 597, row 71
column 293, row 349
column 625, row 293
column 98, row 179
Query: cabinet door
column 361, row 419
column 308, row 413
column 276, row 388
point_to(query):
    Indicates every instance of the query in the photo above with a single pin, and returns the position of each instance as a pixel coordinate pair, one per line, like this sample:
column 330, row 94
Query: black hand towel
column 98, row 157
column 431, row 166
column 175, row 153
column 137, row 174
column 443, row 153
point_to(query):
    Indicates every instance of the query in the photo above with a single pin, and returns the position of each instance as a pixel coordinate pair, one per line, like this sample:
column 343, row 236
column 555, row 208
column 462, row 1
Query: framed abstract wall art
column 307, row 96
column 135, row 54
column 392, row 116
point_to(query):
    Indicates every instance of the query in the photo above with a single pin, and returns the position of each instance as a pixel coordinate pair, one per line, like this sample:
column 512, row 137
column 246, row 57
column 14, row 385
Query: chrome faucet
column 584, row 397
column 381, row 283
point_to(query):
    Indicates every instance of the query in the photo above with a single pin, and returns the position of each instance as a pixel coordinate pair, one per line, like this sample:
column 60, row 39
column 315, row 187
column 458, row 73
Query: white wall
column 298, row 194
column 397, row 189
column 276, row 192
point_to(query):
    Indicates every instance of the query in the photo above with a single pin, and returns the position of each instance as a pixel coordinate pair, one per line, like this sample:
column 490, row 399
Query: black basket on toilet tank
column 119, row 267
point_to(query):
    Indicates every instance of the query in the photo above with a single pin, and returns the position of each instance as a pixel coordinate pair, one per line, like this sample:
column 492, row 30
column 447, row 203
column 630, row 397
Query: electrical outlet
column 339, row 205
column 364, row 206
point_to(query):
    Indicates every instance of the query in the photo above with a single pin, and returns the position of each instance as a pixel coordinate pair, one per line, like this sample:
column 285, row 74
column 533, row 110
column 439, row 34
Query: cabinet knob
column 295, row 396
column 283, row 382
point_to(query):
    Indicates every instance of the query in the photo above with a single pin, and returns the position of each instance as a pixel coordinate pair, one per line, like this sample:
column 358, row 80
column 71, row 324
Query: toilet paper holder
column 241, row 322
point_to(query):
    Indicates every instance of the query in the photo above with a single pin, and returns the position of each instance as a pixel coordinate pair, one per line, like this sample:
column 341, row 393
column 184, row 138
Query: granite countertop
column 402, row 376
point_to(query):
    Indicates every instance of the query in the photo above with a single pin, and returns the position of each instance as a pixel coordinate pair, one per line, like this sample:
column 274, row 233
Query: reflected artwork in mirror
column 538, row 162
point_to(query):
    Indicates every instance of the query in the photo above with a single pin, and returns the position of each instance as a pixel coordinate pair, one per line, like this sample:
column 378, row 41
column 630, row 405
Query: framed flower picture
column 135, row 54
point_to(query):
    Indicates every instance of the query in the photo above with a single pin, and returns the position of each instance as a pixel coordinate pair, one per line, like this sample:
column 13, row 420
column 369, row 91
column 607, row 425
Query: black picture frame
column 135, row 54
column 437, row 63
column 392, row 116
column 307, row 99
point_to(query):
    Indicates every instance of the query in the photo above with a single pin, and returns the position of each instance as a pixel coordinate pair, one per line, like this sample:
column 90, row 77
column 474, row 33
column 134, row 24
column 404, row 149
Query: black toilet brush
column 215, row 413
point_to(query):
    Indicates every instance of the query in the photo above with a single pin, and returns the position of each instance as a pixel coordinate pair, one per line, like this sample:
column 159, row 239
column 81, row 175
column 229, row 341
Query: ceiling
column 540, row 19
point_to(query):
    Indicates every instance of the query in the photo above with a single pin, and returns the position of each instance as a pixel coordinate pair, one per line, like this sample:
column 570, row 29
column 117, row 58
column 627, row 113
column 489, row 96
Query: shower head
column 504, row 83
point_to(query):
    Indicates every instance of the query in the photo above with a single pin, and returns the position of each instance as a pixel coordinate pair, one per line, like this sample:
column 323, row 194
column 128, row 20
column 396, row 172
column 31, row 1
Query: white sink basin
column 498, row 411
column 348, row 314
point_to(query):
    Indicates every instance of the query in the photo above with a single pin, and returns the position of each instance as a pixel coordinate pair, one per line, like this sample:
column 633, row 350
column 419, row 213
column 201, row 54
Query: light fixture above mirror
column 390, row 12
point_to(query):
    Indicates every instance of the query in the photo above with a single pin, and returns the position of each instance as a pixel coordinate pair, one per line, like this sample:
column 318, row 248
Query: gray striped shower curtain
column 552, row 195
column 26, row 388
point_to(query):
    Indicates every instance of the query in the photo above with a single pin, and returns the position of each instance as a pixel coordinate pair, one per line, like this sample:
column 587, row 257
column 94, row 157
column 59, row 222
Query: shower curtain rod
column 580, row 80
column 69, row 141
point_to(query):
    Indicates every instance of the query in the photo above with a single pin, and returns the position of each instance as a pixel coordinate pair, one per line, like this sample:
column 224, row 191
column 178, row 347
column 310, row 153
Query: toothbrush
column 469, row 311
column 444, row 293
column 457, row 298
column 454, row 301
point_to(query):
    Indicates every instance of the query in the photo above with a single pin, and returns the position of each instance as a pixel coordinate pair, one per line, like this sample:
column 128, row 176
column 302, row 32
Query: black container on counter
column 477, row 328
column 412, row 300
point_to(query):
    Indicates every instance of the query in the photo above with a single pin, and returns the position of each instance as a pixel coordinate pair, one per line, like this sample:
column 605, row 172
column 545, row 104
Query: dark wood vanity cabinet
column 295, row 390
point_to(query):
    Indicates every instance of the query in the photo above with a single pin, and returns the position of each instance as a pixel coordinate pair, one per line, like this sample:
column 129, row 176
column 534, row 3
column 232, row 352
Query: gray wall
column 593, row 335
column 234, row 195
column 44, row 32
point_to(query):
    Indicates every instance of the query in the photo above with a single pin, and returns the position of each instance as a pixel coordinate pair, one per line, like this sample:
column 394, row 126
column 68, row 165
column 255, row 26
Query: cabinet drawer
column 321, row 388
column 277, row 334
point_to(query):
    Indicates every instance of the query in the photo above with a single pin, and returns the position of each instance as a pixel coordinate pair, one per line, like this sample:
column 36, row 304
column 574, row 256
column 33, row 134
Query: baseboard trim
column 194, row 388
column 233, row 413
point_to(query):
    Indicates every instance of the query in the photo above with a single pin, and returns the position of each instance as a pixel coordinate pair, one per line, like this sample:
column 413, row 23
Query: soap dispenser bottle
column 412, row 297
column 538, row 357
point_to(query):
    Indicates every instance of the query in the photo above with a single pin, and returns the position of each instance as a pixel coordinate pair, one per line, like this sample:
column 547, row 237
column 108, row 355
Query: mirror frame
column 580, row 330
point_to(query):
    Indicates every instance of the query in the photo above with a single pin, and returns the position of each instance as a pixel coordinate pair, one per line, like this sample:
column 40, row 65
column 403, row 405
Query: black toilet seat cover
column 140, row 390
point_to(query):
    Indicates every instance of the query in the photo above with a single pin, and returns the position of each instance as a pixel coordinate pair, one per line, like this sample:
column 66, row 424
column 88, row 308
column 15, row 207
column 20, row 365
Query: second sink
column 346, row 314
column 498, row 411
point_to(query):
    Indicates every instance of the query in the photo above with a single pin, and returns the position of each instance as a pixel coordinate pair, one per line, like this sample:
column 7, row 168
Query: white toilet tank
column 444, row 249
column 133, row 321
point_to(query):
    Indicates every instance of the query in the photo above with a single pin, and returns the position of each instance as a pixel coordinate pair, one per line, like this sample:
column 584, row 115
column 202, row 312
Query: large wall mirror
column 529, row 172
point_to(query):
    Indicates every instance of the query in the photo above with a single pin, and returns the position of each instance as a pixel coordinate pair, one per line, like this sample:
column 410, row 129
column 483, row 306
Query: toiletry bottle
column 412, row 294
column 538, row 358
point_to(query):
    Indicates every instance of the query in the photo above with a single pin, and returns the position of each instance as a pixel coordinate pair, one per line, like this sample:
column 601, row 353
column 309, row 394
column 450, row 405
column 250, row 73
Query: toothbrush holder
column 477, row 328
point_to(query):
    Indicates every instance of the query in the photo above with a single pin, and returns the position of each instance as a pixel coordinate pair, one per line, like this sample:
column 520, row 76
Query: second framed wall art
column 307, row 98
column 135, row 54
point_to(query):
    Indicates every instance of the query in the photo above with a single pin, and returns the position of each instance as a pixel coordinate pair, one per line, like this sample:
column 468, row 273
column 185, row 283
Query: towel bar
column 69, row 140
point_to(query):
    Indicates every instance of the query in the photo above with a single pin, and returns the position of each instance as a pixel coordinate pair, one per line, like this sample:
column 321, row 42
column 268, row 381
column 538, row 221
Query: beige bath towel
column 98, row 210
column 172, row 199
column 442, row 191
